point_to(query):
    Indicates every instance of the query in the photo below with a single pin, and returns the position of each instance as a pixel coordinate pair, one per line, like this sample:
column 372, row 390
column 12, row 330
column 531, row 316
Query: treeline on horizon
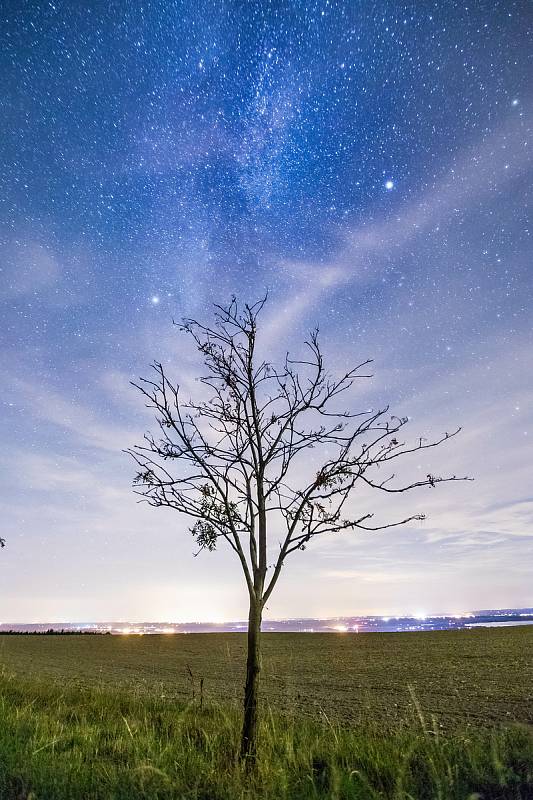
column 54, row 632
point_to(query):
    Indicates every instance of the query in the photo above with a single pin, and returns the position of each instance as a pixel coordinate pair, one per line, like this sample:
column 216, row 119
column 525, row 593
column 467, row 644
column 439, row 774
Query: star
column 389, row 185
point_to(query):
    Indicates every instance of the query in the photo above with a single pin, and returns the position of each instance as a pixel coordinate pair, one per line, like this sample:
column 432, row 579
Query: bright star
column 515, row 102
column 389, row 184
column 155, row 299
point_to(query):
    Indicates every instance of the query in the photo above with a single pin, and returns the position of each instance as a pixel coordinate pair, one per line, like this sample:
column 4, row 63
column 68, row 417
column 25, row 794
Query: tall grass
column 73, row 743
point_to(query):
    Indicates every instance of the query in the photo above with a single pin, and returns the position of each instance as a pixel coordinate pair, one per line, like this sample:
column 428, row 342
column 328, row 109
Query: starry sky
column 369, row 163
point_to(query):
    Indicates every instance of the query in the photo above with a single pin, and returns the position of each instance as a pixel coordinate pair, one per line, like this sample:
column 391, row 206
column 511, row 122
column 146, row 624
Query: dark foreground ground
column 429, row 715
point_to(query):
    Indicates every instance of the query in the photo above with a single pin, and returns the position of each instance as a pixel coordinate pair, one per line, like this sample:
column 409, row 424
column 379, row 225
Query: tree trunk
column 253, row 669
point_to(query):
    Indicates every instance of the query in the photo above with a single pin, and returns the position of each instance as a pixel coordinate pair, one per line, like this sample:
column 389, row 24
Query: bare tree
column 233, row 461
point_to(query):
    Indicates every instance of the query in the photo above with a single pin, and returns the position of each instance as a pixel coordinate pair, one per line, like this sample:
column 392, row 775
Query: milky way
column 367, row 163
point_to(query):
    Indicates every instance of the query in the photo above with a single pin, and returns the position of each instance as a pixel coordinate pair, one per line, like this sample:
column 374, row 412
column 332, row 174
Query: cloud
column 478, row 173
column 35, row 268
column 370, row 576
column 27, row 267
column 83, row 423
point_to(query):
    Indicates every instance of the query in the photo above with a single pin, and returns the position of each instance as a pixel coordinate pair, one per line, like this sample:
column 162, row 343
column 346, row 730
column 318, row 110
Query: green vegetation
column 464, row 678
column 444, row 715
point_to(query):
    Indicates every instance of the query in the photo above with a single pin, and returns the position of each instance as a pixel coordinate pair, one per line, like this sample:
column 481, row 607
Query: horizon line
column 383, row 616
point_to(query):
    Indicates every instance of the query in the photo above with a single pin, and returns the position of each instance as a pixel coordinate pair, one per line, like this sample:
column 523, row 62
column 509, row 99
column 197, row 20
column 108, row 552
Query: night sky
column 369, row 163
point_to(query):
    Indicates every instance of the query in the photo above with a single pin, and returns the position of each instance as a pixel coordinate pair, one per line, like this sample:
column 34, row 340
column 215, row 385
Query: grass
column 465, row 678
column 137, row 732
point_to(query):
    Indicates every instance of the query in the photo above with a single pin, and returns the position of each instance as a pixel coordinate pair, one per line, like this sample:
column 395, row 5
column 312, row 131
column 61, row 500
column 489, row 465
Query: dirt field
column 479, row 677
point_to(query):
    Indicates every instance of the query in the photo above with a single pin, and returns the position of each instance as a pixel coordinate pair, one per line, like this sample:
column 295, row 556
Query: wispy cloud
column 84, row 423
column 479, row 172
column 26, row 267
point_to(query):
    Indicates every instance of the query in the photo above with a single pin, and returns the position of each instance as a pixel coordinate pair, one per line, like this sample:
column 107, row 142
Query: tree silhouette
column 234, row 461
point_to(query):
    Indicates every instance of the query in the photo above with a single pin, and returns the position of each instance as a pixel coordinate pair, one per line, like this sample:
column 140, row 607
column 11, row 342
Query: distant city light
column 421, row 621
